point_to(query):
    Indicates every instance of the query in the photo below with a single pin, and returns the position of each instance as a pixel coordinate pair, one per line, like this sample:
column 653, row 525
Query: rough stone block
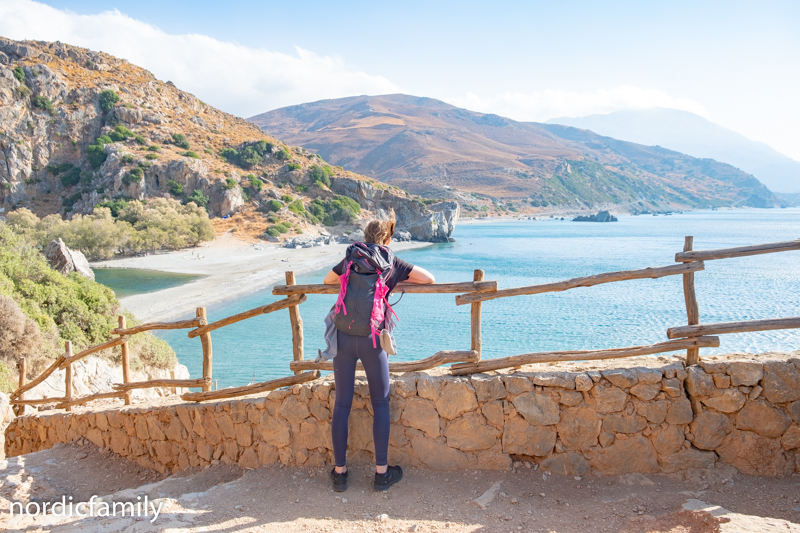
column 422, row 415
column 570, row 398
column 608, row 399
column 654, row 412
column 579, row 428
column 754, row 455
column 405, row 387
column 457, row 397
column 646, row 391
column 489, row 388
column 429, row 387
column 635, row 454
column 721, row 381
column 709, row 430
column 668, row 440
column 471, row 433
column 781, row 382
column 623, row 378
column 520, row 437
column 649, row 375
column 698, row 383
column 583, row 382
column 791, row 438
column 517, row 385
column 688, row 458
column 745, row 373
column 554, row 379
column 712, row 367
column 726, row 401
column 622, row 423
column 273, row 430
column 763, row 419
column 438, row 456
column 294, row 409
column 493, row 412
column 672, row 386
column 566, row 464
column 537, row 409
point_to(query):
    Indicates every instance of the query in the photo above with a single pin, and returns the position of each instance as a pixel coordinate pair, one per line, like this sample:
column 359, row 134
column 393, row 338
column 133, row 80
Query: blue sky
column 735, row 63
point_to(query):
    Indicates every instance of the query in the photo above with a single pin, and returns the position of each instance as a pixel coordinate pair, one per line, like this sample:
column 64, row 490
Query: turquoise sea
column 523, row 252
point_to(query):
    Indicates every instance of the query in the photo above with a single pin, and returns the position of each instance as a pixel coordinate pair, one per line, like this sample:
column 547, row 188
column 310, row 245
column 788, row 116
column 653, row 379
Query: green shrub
column 272, row 231
column 71, row 177
column 208, row 151
column 120, row 133
column 43, row 103
column 273, row 205
column 247, row 155
column 95, row 152
column 229, row 183
column 273, row 219
column 297, row 207
column 302, row 188
column 151, row 156
column 107, row 99
column 140, row 139
column 286, row 198
column 19, row 74
column 293, row 166
column 134, row 176
column 179, row 140
column 127, row 159
column 154, row 148
column 191, row 154
column 278, row 229
column 115, row 206
column 56, row 169
column 283, row 154
column 200, row 199
column 334, row 210
column 175, row 188
column 321, row 175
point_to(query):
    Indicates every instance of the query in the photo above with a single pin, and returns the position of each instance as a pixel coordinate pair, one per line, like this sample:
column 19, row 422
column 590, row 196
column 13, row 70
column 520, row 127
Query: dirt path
column 277, row 499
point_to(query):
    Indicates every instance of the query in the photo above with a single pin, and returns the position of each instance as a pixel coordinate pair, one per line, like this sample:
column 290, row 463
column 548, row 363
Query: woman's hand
column 420, row 276
column 331, row 278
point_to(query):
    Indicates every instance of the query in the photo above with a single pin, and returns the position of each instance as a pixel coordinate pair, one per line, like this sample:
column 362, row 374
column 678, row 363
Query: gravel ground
column 290, row 499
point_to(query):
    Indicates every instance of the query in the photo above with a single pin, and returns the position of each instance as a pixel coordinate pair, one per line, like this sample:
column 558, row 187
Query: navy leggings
column 376, row 365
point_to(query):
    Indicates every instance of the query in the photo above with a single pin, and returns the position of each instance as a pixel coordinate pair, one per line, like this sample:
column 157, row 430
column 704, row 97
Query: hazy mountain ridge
column 694, row 135
column 433, row 148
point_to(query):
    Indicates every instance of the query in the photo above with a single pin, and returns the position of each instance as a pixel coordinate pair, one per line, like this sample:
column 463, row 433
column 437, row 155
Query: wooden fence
column 691, row 337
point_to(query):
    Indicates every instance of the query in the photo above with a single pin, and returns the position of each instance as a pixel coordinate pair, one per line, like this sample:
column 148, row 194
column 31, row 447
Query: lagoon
column 523, row 252
column 129, row 281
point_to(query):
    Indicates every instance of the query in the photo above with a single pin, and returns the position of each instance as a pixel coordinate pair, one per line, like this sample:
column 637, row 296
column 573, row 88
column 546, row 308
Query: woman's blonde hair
column 379, row 231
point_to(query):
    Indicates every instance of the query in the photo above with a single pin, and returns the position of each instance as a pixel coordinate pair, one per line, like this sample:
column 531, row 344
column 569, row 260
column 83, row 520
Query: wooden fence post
column 475, row 318
column 208, row 357
column 692, row 309
column 126, row 361
column 68, row 376
column 297, row 326
column 23, row 368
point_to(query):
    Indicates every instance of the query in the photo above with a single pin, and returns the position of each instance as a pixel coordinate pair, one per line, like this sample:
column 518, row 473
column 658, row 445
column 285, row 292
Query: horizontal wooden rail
column 38, row 401
column 742, row 251
column 43, row 376
column 87, row 399
column 723, row 328
column 255, row 388
column 274, row 306
column 411, row 288
column 437, row 359
column 182, row 324
column 582, row 355
column 185, row 383
column 588, row 281
column 94, row 349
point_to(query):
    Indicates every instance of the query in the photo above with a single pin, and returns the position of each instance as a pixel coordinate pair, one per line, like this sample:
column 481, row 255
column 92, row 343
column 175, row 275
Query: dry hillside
column 435, row 149
column 79, row 127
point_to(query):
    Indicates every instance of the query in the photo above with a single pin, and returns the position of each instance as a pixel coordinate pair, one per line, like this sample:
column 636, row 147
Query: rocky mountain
column 698, row 137
column 79, row 127
column 435, row 149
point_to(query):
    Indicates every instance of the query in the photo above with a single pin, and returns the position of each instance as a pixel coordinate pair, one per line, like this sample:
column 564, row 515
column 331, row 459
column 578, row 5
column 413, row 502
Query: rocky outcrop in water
column 602, row 216
column 64, row 260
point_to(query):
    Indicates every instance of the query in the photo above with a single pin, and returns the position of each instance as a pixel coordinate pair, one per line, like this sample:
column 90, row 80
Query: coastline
column 230, row 268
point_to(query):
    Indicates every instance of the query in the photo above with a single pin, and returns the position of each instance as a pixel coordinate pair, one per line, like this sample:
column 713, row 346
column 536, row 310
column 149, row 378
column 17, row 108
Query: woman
column 351, row 348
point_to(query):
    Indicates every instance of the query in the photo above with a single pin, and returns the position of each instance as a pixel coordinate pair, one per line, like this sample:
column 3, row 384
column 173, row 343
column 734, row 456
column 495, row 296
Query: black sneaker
column 339, row 481
column 384, row 481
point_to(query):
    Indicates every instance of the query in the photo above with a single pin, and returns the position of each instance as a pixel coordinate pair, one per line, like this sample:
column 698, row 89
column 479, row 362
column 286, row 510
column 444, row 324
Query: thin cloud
column 240, row 80
column 543, row 105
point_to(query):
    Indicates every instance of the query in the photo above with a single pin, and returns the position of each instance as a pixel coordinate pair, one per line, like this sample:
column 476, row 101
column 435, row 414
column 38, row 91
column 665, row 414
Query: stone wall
column 606, row 421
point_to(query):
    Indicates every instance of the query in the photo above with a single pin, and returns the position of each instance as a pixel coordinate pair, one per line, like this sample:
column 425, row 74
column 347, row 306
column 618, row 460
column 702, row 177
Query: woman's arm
column 420, row 276
column 331, row 278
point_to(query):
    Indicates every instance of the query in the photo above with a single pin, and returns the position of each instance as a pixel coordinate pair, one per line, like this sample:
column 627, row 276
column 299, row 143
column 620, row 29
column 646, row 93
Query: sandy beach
column 231, row 268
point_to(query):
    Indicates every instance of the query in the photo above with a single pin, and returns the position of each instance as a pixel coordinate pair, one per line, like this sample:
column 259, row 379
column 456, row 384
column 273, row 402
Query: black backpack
column 361, row 307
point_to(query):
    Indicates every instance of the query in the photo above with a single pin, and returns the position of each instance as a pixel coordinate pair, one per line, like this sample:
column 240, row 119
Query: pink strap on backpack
column 343, row 290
